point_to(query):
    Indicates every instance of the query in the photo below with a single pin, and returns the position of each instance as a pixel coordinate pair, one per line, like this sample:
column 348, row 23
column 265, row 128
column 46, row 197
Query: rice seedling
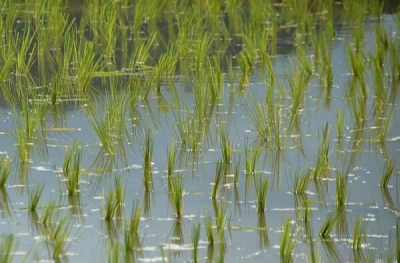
column 359, row 233
column 110, row 206
column 327, row 226
column 58, row 236
column 4, row 170
column 341, row 191
column 387, row 172
column 131, row 236
column 147, row 160
column 176, row 195
column 196, row 240
column 5, row 208
column 34, row 198
column 8, row 246
column 287, row 243
column 262, row 192
column 171, row 164
column 209, row 229
column 331, row 250
column 252, row 157
column 220, row 216
column 300, row 184
column 217, row 180
column 323, row 163
column 72, row 168
column 226, row 149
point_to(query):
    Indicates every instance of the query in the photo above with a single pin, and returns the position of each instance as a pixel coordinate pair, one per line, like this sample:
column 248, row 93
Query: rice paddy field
column 199, row 131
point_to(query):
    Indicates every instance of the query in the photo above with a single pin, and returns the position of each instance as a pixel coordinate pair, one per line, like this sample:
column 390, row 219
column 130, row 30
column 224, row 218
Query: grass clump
column 34, row 198
column 287, row 243
column 327, row 226
column 196, row 240
column 72, row 168
column 4, row 170
column 262, row 192
column 359, row 233
column 387, row 172
column 341, row 191
column 176, row 195
column 209, row 230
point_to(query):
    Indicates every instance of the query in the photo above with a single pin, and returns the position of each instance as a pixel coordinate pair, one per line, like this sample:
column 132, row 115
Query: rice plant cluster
column 183, row 110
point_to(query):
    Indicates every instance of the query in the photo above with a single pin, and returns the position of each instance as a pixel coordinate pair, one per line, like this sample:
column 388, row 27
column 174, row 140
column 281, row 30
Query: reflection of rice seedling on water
column 8, row 246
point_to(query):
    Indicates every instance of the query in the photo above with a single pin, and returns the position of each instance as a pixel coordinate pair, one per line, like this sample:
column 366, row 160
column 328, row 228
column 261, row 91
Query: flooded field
column 199, row 131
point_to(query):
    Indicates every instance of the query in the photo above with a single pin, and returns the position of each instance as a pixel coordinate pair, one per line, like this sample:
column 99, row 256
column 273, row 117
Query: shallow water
column 250, row 236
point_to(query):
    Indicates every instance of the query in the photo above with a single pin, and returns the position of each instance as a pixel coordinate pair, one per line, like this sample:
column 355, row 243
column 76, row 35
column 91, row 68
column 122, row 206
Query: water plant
column 262, row 192
column 131, row 236
column 341, row 190
column 147, row 159
column 4, row 170
column 209, row 229
column 287, row 243
column 323, row 161
column 58, row 236
column 72, row 168
column 217, row 180
column 387, row 172
column 300, row 184
column 196, row 240
column 327, row 226
column 176, row 195
column 114, row 202
column 34, row 198
column 359, row 233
